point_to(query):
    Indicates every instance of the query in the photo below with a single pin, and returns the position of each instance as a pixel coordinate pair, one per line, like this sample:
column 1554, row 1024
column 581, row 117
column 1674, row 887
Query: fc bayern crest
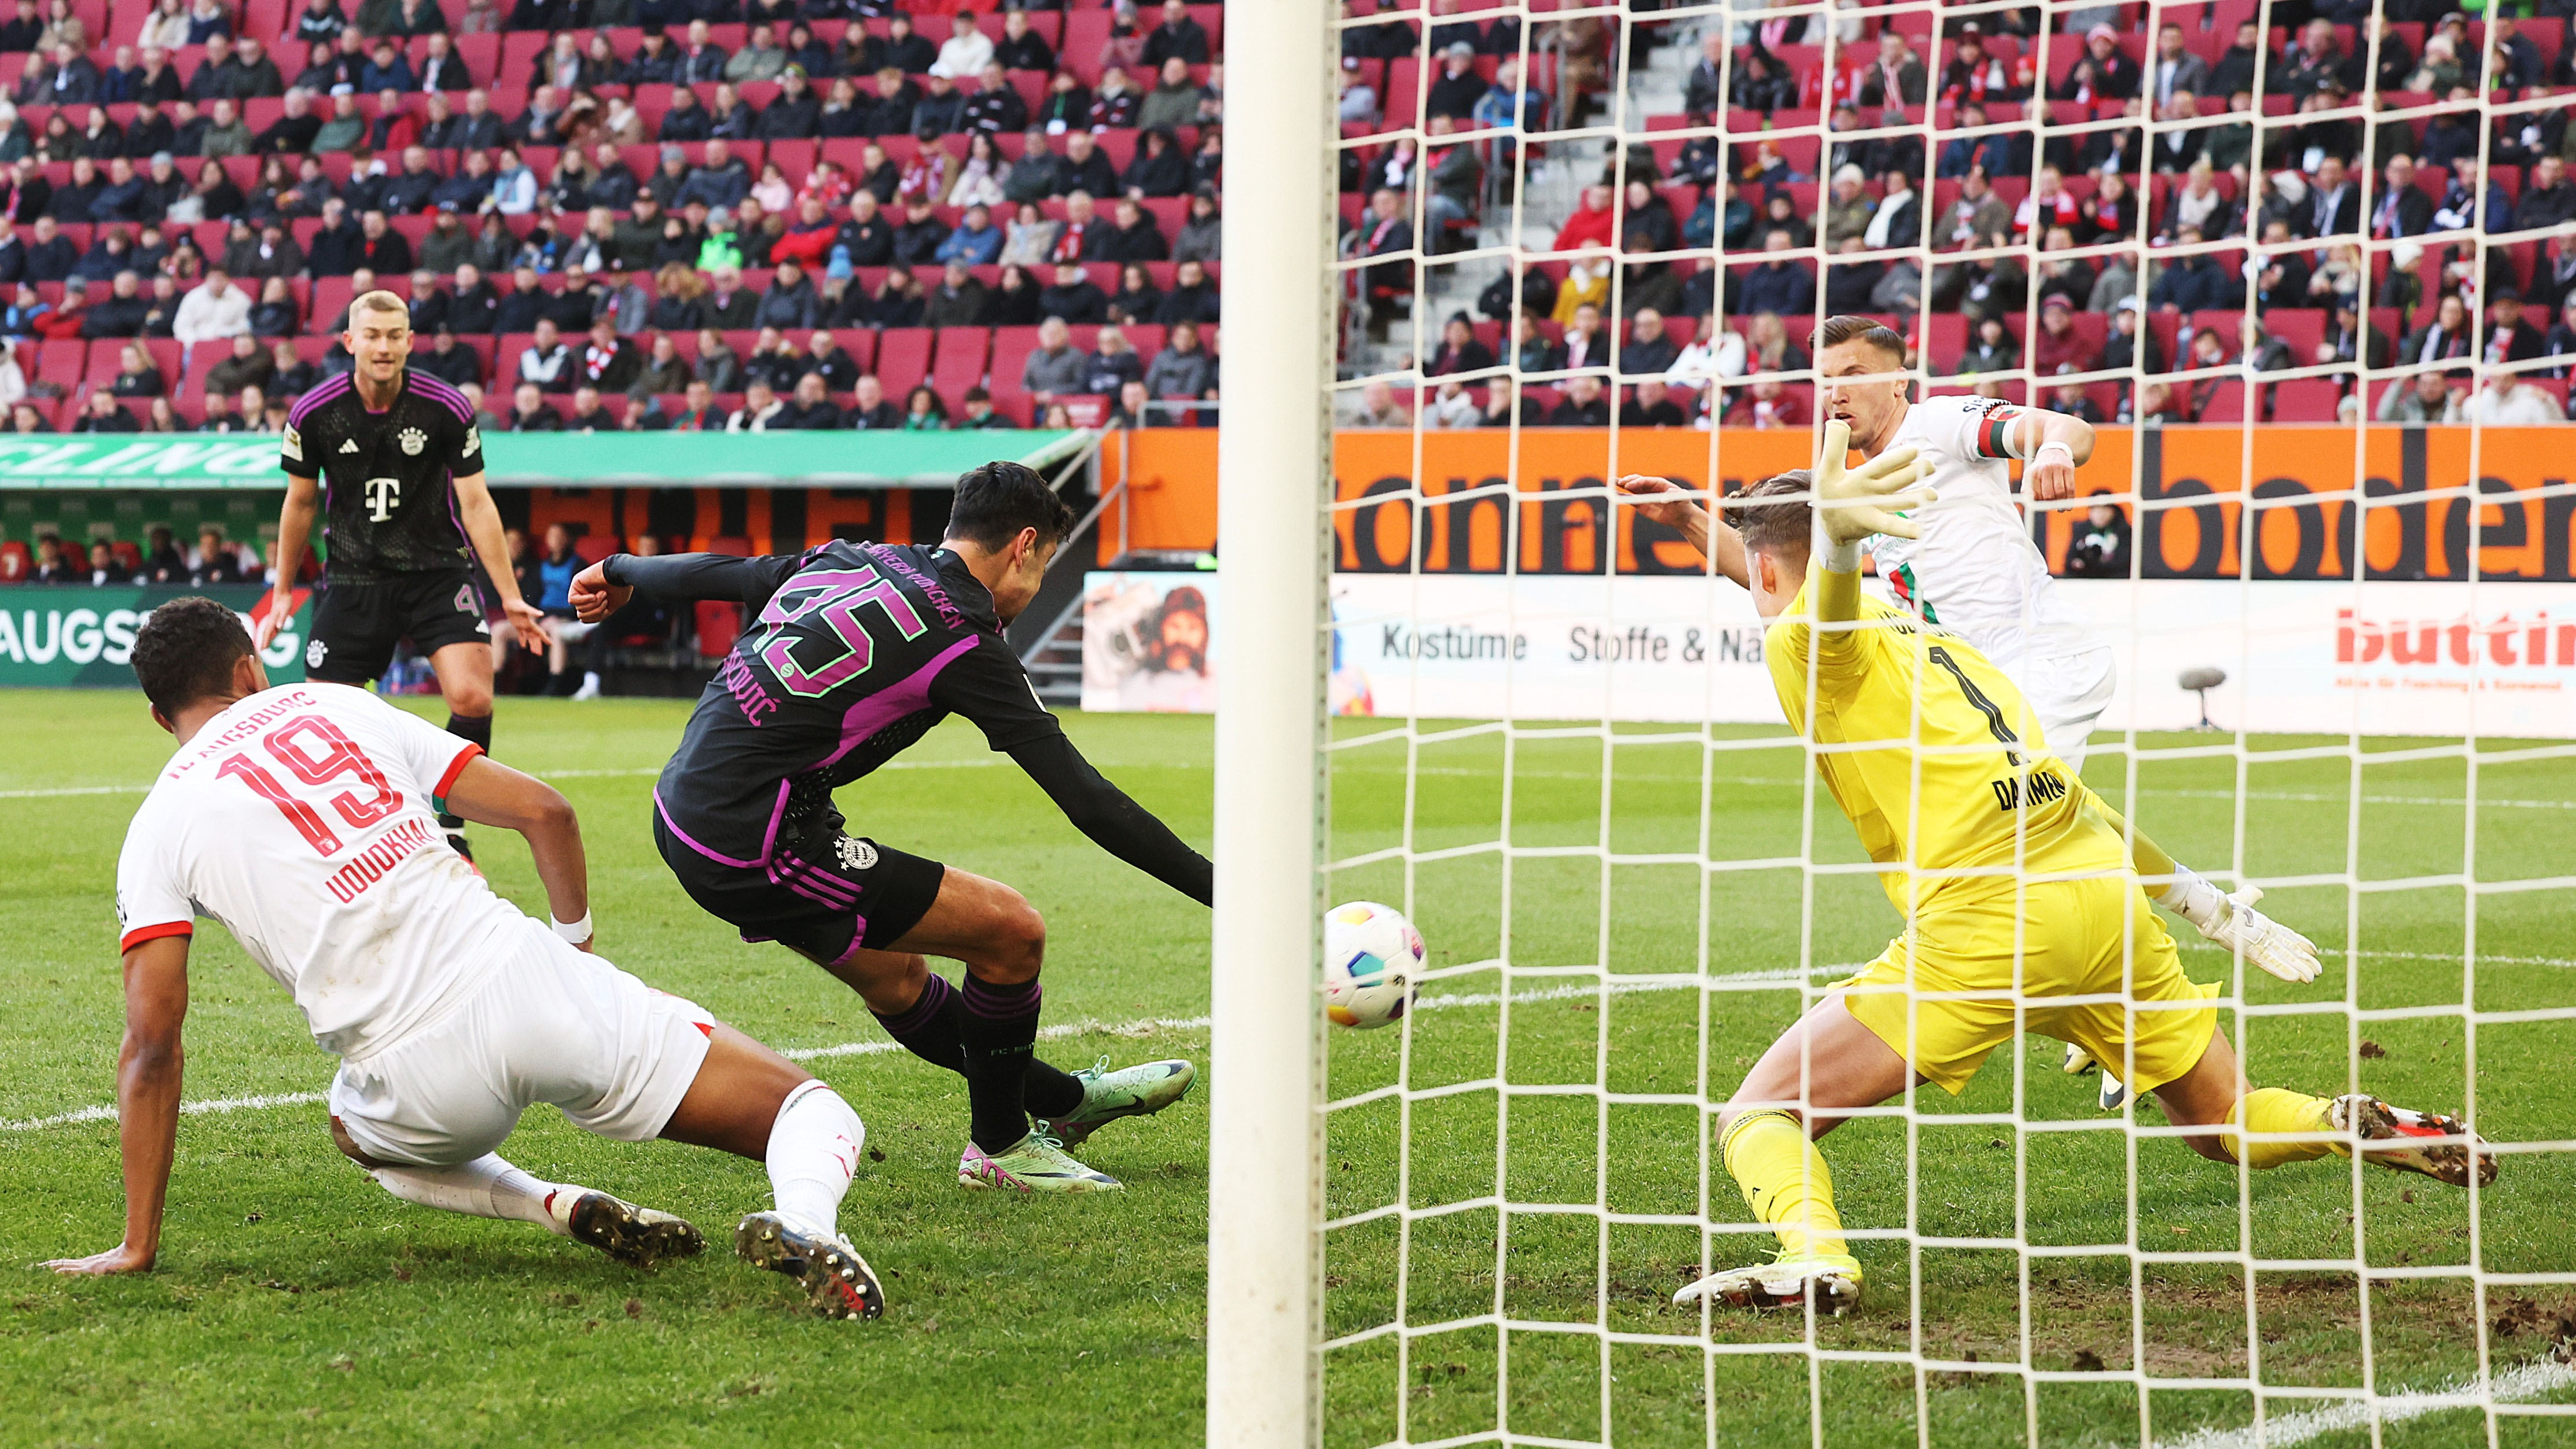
column 413, row 440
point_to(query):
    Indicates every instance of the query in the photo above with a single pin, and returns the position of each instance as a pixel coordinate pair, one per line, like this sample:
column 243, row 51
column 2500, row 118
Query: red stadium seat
column 959, row 362
column 719, row 620
column 2306, row 400
column 903, row 358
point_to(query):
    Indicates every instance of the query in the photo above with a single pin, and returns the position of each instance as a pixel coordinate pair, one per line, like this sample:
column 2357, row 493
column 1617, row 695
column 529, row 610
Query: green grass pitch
column 296, row 1303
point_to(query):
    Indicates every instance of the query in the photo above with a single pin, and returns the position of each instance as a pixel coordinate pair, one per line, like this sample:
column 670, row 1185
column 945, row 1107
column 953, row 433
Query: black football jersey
column 853, row 652
column 388, row 492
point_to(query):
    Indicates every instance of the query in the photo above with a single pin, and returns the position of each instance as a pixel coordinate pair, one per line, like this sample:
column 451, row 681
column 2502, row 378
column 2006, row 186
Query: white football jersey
column 1975, row 570
column 303, row 818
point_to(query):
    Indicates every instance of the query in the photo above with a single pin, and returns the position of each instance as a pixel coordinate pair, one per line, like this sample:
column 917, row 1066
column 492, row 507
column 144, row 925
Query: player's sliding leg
column 752, row 1102
column 490, row 1187
column 921, row 1011
column 465, row 677
column 1765, row 1135
column 994, row 1017
column 2214, row 1092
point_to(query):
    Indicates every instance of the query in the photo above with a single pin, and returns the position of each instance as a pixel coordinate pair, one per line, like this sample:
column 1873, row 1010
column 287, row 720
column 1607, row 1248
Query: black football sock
column 929, row 1029
column 997, row 1030
column 474, row 729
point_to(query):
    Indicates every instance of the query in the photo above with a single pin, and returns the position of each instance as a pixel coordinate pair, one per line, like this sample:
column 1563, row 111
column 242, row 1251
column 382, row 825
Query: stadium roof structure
column 894, row 459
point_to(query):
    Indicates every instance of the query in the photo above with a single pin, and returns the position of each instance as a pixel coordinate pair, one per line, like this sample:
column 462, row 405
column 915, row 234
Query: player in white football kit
column 302, row 818
column 1976, row 573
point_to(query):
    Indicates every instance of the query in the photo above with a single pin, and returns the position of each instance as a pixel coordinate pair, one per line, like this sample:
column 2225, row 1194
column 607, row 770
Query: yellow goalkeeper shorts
column 2072, row 943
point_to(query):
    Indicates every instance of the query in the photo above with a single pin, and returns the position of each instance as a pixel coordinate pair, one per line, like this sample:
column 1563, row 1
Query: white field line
column 2516, row 1385
column 1149, row 1025
column 1623, row 777
column 1142, row 1026
column 548, row 775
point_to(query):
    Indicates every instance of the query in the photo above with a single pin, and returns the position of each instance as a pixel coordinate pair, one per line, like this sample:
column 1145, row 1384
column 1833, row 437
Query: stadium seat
column 14, row 562
column 719, row 621
column 2306, row 400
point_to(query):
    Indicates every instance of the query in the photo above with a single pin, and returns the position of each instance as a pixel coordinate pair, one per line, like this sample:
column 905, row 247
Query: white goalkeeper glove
column 1851, row 505
column 2231, row 921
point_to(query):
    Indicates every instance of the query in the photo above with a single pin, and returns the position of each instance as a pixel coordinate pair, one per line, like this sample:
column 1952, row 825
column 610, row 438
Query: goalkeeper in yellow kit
column 2016, row 885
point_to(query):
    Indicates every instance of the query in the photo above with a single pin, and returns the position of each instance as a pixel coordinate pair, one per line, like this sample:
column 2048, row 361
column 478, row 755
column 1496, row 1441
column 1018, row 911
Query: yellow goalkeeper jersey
column 1979, row 792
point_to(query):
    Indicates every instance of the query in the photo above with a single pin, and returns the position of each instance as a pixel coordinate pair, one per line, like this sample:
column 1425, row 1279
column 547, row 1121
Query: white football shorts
column 2068, row 690
column 551, row 1025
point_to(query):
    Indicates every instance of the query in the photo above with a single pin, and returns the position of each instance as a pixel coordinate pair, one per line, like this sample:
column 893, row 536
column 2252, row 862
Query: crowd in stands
column 158, row 560
column 1991, row 185
column 629, row 214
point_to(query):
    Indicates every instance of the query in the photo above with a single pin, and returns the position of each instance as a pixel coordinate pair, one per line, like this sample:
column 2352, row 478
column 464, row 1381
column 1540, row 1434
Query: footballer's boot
column 2442, row 1148
column 1831, row 1279
column 1138, row 1091
column 2113, row 1093
column 836, row 1278
column 454, row 826
column 639, row 1237
column 1036, row 1163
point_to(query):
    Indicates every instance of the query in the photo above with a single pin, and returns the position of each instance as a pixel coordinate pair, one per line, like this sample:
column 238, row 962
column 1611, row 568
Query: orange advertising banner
column 2444, row 503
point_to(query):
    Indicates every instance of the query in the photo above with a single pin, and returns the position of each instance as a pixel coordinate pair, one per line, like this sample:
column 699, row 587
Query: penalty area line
column 2516, row 1385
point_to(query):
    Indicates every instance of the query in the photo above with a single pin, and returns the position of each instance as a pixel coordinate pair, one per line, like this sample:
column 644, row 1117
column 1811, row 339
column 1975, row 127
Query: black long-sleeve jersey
column 855, row 650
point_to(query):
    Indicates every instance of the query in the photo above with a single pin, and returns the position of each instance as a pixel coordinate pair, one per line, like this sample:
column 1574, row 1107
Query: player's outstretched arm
column 2056, row 444
column 1670, row 504
column 489, row 793
column 1114, row 822
column 483, row 529
column 603, row 588
column 147, row 1100
column 294, row 532
column 2226, row 918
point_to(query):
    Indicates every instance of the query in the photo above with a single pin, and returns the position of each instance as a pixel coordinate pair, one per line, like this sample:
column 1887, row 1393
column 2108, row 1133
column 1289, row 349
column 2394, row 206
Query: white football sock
column 813, row 1150
column 487, row 1187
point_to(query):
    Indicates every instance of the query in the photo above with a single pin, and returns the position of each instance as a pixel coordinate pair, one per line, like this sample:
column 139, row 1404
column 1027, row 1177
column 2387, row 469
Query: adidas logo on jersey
column 348, row 445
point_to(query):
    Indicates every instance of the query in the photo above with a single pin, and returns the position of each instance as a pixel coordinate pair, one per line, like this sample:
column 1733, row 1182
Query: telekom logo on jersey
column 384, row 495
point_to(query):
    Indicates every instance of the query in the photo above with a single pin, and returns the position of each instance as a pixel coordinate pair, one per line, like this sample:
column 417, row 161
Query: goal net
column 2306, row 270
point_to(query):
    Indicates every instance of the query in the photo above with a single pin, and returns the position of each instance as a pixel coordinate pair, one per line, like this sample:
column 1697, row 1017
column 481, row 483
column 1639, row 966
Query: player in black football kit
column 389, row 457
column 854, row 651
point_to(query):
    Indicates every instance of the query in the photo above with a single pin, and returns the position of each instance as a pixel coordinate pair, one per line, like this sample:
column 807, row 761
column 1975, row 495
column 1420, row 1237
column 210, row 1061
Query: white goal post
column 1274, row 466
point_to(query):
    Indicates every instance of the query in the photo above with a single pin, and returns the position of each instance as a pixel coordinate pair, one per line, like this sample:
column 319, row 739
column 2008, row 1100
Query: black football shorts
column 356, row 625
column 821, row 894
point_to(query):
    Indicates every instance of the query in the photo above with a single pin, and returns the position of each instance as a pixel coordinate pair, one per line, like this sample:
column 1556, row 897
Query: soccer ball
column 1371, row 956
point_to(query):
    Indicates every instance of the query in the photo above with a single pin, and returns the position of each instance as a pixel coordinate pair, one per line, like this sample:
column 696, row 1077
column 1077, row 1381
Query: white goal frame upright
column 1274, row 467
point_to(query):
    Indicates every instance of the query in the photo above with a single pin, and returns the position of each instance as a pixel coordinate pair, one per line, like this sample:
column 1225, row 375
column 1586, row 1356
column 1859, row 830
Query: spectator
column 546, row 362
column 2443, row 338
column 123, row 312
column 791, row 300
column 869, row 408
column 2510, row 336
column 2100, row 549
column 2432, row 398
column 1767, row 405
column 215, row 310
column 1372, row 407
column 979, row 411
column 923, row 412
column 136, row 375
column 1459, row 349
column 1649, row 348
column 958, row 301
column 1202, row 235
column 54, row 564
column 2059, row 345
column 1649, row 407
column 1054, row 368
column 1137, row 299
column 1452, row 407
column 2548, row 198
column 104, row 566
column 104, row 414
column 1184, row 369
column 1582, row 405
column 1111, row 363
column 810, row 408
column 1779, row 285
column 1074, row 297
column 531, row 413
column 2194, row 283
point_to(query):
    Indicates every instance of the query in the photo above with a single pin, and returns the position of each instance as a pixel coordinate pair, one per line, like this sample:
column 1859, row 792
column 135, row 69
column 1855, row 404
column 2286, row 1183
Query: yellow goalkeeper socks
column 1785, row 1182
column 2271, row 1109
